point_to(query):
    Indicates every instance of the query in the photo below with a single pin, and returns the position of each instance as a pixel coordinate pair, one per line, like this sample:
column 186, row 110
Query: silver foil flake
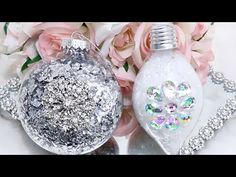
column 72, row 105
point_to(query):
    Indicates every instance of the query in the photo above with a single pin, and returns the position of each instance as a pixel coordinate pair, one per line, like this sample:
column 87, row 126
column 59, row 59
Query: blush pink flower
column 126, row 80
column 197, row 47
column 122, row 45
column 49, row 41
column 142, row 44
column 18, row 34
column 199, row 30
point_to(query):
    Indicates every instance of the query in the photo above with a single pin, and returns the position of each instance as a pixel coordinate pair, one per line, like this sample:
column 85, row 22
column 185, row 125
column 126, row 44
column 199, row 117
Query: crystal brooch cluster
column 71, row 105
column 169, row 106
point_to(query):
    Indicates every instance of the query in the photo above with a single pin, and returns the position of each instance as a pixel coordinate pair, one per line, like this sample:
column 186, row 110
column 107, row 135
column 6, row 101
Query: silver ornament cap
column 163, row 36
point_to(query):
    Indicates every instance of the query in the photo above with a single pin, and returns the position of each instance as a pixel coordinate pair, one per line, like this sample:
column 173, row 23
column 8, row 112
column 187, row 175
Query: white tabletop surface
column 13, row 139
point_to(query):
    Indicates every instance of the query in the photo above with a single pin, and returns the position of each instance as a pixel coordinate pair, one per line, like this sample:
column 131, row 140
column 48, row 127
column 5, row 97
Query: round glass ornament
column 71, row 105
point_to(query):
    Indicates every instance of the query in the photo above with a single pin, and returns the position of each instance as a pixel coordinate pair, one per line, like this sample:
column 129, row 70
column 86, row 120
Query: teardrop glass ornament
column 180, row 91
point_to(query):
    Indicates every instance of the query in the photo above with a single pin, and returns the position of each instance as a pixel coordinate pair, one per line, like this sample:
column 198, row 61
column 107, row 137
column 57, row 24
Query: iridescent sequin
column 176, row 102
column 153, row 108
column 157, row 122
column 171, row 108
column 187, row 103
column 168, row 89
column 184, row 89
column 184, row 117
column 172, row 123
column 154, row 93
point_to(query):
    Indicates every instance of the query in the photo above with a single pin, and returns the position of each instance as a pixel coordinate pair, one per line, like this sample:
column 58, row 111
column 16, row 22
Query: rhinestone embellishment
column 3, row 92
column 217, row 77
column 196, row 143
column 224, row 113
column 14, row 84
column 229, row 86
column 206, row 133
column 215, row 123
column 169, row 106
column 186, row 151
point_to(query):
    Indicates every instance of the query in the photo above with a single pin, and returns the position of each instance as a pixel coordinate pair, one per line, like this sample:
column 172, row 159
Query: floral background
column 126, row 45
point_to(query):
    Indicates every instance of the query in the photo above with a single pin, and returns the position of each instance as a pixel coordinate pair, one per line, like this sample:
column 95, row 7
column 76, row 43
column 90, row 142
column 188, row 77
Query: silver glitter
column 71, row 105
column 14, row 84
column 3, row 92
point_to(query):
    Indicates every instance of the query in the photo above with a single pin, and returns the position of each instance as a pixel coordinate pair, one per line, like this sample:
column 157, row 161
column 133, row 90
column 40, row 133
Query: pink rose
column 126, row 80
column 18, row 34
column 197, row 49
column 49, row 41
column 199, row 31
column 122, row 45
column 142, row 44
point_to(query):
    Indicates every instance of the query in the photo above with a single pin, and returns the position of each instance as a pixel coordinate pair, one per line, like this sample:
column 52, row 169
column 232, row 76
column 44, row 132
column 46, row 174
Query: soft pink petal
column 180, row 35
column 29, row 28
column 106, row 46
column 102, row 31
column 204, row 45
column 116, row 59
column 30, row 49
column 199, row 30
column 137, row 58
column 123, row 75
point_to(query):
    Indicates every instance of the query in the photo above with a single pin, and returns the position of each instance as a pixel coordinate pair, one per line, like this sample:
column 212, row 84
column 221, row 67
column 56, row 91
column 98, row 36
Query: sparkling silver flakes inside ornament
column 169, row 105
column 67, row 108
column 3, row 92
column 8, row 106
column 14, row 84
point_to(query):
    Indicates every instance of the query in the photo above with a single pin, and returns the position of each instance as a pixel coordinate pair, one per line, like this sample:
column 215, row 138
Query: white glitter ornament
column 73, row 104
column 168, row 77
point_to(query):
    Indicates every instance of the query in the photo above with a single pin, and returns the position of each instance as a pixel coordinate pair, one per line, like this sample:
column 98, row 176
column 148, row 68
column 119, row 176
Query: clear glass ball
column 71, row 105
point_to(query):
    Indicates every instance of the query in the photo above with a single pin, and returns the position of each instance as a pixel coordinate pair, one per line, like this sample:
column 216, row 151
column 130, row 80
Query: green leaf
column 30, row 61
column 25, row 65
column 126, row 66
column 5, row 27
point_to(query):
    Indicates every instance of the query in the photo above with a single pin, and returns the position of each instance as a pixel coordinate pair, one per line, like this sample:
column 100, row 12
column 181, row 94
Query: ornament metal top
column 73, row 104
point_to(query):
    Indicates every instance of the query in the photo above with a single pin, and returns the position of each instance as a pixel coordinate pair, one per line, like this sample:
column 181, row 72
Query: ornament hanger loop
column 79, row 35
